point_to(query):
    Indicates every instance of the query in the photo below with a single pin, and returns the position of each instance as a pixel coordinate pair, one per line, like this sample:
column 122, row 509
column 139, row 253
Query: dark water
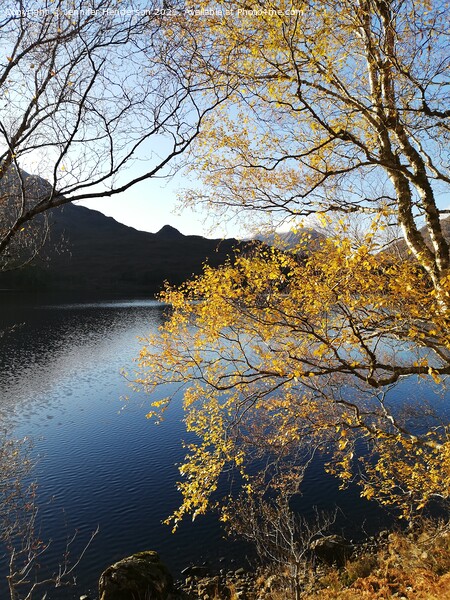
column 101, row 462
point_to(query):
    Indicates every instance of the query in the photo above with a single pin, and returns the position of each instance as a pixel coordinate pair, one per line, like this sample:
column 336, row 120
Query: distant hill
column 400, row 248
column 91, row 252
column 290, row 240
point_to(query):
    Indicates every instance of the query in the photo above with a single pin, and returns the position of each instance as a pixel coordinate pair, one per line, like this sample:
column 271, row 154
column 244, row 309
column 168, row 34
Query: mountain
column 291, row 240
column 400, row 249
column 88, row 251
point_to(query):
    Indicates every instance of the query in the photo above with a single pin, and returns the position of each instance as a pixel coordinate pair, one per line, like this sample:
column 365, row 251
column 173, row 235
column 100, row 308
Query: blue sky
column 150, row 205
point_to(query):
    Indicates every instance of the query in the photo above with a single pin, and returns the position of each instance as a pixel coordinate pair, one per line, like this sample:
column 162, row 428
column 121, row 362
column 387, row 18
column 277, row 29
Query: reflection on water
column 101, row 464
column 61, row 383
column 54, row 350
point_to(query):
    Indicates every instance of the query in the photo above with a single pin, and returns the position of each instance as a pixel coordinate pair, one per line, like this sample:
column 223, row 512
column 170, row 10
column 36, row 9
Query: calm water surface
column 103, row 463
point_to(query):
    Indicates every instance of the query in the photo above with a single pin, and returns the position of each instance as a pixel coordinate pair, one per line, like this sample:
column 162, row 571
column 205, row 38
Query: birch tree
column 341, row 109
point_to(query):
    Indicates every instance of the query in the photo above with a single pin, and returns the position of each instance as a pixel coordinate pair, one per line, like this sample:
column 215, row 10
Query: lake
column 102, row 463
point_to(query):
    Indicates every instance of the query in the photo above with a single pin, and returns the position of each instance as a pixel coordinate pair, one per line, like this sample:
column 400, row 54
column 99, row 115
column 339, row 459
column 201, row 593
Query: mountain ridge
column 400, row 248
column 87, row 250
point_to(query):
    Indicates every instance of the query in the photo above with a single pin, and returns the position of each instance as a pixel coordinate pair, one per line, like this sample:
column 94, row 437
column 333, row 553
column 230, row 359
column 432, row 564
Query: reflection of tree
column 19, row 527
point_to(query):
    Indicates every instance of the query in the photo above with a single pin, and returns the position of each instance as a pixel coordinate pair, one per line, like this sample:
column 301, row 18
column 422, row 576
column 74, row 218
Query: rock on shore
column 144, row 576
column 141, row 575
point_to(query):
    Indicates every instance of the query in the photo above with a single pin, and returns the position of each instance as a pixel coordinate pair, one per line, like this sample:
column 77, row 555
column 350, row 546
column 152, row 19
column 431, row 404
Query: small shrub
column 361, row 567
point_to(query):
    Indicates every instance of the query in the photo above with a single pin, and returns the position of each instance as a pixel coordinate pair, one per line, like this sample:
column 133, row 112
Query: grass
column 412, row 565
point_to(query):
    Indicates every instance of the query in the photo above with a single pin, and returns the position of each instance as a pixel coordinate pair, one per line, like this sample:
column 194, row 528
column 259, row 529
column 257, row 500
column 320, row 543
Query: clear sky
column 150, row 205
column 153, row 203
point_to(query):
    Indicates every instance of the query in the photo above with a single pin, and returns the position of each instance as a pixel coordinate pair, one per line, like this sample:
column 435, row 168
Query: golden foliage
column 326, row 108
column 330, row 107
column 414, row 565
column 276, row 353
